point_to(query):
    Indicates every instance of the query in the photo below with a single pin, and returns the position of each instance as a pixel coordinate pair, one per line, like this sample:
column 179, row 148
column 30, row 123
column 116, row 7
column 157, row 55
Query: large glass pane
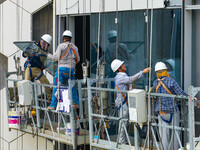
column 131, row 40
column 32, row 48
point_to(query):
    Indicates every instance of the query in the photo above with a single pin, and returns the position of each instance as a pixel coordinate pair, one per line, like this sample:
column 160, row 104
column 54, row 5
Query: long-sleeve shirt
column 165, row 104
column 36, row 59
column 69, row 60
column 123, row 81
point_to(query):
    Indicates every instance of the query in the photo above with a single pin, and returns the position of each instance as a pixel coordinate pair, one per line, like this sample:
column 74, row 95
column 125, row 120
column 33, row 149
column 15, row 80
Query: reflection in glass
column 31, row 48
column 131, row 34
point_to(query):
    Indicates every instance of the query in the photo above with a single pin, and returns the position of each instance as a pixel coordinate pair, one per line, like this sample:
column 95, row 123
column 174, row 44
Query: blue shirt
column 165, row 104
column 35, row 60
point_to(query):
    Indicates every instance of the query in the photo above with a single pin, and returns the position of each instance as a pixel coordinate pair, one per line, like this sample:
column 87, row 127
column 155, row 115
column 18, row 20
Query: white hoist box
column 24, row 92
column 137, row 106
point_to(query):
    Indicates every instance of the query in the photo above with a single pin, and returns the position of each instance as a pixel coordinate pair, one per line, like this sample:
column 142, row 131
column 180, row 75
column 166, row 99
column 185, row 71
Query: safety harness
column 71, row 49
column 159, row 88
column 29, row 65
column 125, row 99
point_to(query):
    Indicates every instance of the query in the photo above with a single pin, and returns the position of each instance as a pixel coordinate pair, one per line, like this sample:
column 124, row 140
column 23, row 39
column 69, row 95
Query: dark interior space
column 43, row 23
column 82, row 41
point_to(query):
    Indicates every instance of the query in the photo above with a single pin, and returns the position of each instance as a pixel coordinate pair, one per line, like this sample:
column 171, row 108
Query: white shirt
column 123, row 81
column 69, row 60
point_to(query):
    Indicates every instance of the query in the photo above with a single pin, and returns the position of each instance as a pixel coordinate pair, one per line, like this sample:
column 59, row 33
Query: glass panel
column 28, row 46
column 131, row 40
column 32, row 48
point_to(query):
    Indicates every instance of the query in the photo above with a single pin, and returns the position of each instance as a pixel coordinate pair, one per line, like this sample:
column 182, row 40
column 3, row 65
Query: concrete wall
column 175, row 2
column 15, row 25
column 196, row 48
column 3, row 69
column 93, row 6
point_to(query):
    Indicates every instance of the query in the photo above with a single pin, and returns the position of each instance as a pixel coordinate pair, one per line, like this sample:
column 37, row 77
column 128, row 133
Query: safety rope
column 116, row 22
column 98, row 40
column 150, row 56
column 58, row 83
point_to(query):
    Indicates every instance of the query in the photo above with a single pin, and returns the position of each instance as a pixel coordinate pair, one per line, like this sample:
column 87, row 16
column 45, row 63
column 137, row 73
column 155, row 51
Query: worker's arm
column 130, row 79
column 55, row 57
column 78, row 56
column 177, row 89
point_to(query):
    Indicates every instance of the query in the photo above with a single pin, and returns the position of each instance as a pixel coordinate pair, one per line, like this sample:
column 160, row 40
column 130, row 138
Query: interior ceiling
column 1, row 1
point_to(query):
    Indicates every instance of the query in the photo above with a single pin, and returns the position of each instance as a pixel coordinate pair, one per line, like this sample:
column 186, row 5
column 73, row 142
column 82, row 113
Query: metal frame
column 96, row 142
column 39, row 124
column 192, row 91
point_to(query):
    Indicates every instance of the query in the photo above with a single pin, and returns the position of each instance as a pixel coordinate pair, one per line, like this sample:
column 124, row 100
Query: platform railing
column 46, row 121
column 97, row 120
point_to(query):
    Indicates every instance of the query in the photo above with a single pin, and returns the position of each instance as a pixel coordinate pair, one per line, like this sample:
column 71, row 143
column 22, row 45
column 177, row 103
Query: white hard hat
column 160, row 66
column 116, row 64
column 67, row 33
column 47, row 38
column 111, row 34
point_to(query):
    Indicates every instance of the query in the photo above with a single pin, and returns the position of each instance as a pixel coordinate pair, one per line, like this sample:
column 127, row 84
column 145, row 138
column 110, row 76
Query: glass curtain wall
column 127, row 41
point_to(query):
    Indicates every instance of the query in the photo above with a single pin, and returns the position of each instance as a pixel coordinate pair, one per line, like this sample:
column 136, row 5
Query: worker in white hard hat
column 67, row 56
column 165, row 105
column 124, row 82
column 113, row 51
column 34, row 65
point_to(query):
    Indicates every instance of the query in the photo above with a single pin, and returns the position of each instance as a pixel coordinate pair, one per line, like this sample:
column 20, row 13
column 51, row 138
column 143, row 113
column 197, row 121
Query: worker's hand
column 146, row 70
column 195, row 99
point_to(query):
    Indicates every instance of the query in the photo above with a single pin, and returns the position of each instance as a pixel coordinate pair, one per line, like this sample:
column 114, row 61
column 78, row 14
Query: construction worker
column 34, row 65
column 67, row 56
column 124, row 82
column 165, row 105
column 114, row 51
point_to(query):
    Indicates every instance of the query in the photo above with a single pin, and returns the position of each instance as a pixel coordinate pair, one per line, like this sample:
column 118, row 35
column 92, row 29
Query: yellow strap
column 75, row 55
column 122, row 94
column 69, row 46
column 162, row 112
column 161, row 83
column 65, row 53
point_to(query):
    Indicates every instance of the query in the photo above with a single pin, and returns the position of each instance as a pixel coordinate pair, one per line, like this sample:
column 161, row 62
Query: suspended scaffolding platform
column 102, row 137
column 96, row 104
column 34, row 118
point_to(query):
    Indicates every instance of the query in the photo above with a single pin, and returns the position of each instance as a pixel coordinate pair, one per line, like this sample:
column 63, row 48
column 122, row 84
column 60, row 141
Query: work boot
column 51, row 108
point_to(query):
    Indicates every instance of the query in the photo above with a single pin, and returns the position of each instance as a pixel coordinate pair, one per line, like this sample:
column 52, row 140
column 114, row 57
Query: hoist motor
column 102, row 70
column 137, row 106
column 85, row 71
column 25, row 92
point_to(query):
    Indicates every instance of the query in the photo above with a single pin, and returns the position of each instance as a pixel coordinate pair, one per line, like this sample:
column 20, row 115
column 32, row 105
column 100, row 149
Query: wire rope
column 58, row 82
column 98, row 39
column 150, row 59
column 117, row 26
column 73, row 5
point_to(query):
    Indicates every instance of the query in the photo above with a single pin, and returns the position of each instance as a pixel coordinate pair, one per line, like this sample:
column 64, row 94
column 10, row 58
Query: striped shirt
column 165, row 104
